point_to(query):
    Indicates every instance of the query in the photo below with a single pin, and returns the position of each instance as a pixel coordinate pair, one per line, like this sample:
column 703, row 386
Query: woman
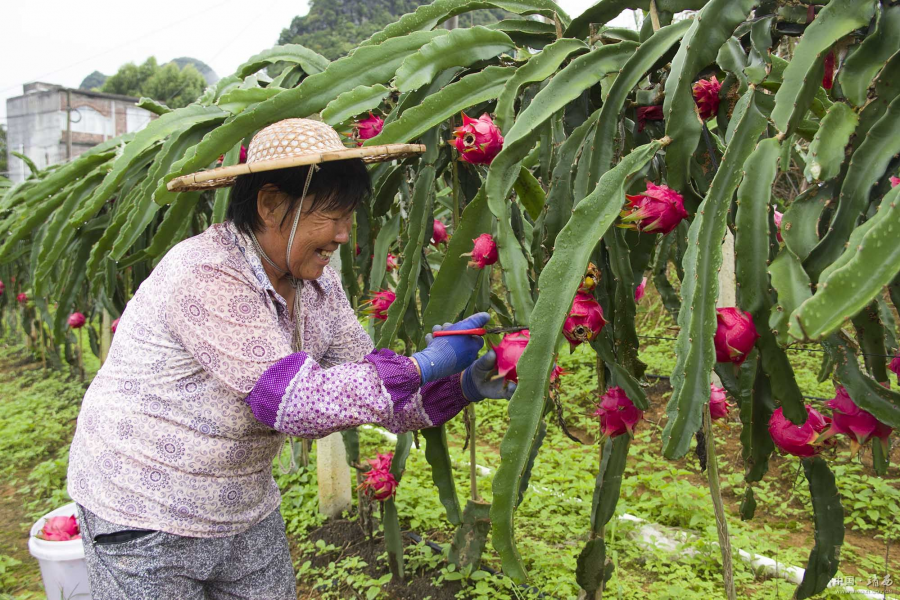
column 241, row 335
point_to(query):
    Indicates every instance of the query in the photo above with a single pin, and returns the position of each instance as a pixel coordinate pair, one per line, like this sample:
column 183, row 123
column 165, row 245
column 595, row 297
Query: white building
column 39, row 129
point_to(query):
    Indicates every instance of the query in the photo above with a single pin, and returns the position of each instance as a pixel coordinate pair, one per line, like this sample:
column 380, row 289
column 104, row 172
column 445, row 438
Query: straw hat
column 291, row 143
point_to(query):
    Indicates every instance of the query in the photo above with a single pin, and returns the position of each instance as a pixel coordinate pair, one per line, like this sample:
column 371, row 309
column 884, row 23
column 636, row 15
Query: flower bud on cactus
column 718, row 405
column 798, row 440
column 2, row 287
column 368, row 128
column 22, row 298
column 706, row 95
column 508, row 352
column 659, row 209
column 391, row 262
column 439, row 234
column 648, row 113
column 114, row 325
column 60, row 529
column 380, row 484
column 857, row 424
column 639, row 290
column 617, row 413
column 76, row 320
column 591, row 279
column 380, row 303
column 777, row 218
column 478, row 141
column 585, row 320
column 895, row 181
column 484, row 252
column 735, row 335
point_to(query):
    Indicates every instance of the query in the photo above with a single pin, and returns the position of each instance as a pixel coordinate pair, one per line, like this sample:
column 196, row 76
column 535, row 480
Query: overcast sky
column 62, row 42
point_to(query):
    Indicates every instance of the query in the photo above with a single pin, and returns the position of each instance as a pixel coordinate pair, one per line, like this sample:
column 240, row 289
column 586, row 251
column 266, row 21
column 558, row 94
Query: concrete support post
column 105, row 335
column 335, row 493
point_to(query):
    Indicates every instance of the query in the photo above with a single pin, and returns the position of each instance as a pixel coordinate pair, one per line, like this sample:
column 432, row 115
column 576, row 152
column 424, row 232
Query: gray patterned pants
column 125, row 563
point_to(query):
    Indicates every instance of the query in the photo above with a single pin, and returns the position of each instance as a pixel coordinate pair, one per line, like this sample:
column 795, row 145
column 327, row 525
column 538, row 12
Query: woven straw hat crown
column 291, row 143
column 293, row 138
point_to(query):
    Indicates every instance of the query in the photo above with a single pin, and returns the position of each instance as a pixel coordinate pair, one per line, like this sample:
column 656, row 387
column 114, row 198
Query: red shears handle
column 478, row 331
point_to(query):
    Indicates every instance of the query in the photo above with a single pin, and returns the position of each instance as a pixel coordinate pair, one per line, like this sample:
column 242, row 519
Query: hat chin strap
column 296, row 282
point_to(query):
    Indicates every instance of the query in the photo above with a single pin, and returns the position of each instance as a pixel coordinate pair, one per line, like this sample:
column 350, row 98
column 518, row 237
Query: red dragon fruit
column 76, row 320
column 60, row 529
column 585, row 320
column 484, row 252
column 368, row 128
column 382, row 461
column 114, row 326
column 895, row 181
column 798, row 440
column 718, row 405
column 706, row 95
column 380, row 484
column 439, row 234
column 735, row 335
column 508, row 352
column 648, row 113
column 22, row 298
column 828, row 77
column 380, row 303
column 478, row 140
column 659, row 209
column 617, row 413
column 857, row 424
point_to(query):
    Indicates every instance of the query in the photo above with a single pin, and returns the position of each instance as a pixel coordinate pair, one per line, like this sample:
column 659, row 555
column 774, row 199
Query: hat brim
column 226, row 176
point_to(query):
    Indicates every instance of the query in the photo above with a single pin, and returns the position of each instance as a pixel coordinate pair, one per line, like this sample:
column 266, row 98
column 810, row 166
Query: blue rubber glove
column 481, row 381
column 448, row 355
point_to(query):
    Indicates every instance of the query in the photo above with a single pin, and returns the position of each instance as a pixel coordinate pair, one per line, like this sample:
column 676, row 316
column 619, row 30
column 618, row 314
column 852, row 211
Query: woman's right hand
column 448, row 355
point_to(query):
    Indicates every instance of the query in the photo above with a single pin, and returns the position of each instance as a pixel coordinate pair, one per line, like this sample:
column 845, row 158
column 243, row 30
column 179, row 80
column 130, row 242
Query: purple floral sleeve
column 297, row 396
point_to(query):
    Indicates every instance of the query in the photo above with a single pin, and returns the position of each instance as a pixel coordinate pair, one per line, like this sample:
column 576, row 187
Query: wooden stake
column 654, row 15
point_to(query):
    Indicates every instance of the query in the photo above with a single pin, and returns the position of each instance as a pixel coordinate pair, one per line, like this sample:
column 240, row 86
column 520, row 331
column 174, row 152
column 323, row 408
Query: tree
column 173, row 86
column 93, row 81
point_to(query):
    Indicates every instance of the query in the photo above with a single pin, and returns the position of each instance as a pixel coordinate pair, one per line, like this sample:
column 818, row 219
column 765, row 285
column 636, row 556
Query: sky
column 63, row 42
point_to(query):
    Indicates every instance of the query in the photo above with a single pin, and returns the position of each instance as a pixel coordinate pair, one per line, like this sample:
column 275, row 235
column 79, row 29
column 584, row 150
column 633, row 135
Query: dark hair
column 337, row 186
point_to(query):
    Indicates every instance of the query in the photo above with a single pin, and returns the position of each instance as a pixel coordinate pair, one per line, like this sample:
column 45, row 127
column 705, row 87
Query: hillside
column 333, row 28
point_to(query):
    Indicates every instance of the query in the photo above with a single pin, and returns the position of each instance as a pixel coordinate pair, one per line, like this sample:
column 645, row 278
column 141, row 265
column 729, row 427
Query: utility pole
column 452, row 22
column 68, row 125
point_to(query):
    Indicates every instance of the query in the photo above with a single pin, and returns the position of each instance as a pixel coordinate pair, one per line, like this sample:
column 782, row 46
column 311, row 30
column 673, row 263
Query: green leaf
column 826, row 152
column 803, row 75
column 591, row 565
column 236, row 101
column 427, row 16
column 530, row 193
column 868, row 264
column 311, row 62
column 800, row 223
column 605, row 11
column 863, row 64
column 558, row 281
column 470, row 538
column 157, row 108
column 386, row 237
column 437, row 453
column 792, row 285
column 609, row 481
column 868, row 164
column 538, row 68
column 700, row 288
column 28, row 162
column 829, row 518
column 459, row 48
column 355, row 102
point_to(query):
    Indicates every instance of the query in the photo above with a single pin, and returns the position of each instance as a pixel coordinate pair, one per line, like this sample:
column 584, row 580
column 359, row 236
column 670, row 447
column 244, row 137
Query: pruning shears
column 477, row 331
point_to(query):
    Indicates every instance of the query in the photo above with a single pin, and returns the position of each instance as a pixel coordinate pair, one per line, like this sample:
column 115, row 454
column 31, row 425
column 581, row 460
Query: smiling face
column 319, row 234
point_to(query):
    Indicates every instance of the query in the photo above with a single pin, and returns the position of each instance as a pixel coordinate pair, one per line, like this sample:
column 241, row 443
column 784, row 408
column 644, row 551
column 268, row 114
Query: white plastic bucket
column 62, row 563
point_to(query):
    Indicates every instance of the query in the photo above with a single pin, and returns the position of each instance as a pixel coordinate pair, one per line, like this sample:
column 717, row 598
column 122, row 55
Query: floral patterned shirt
column 178, row 430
